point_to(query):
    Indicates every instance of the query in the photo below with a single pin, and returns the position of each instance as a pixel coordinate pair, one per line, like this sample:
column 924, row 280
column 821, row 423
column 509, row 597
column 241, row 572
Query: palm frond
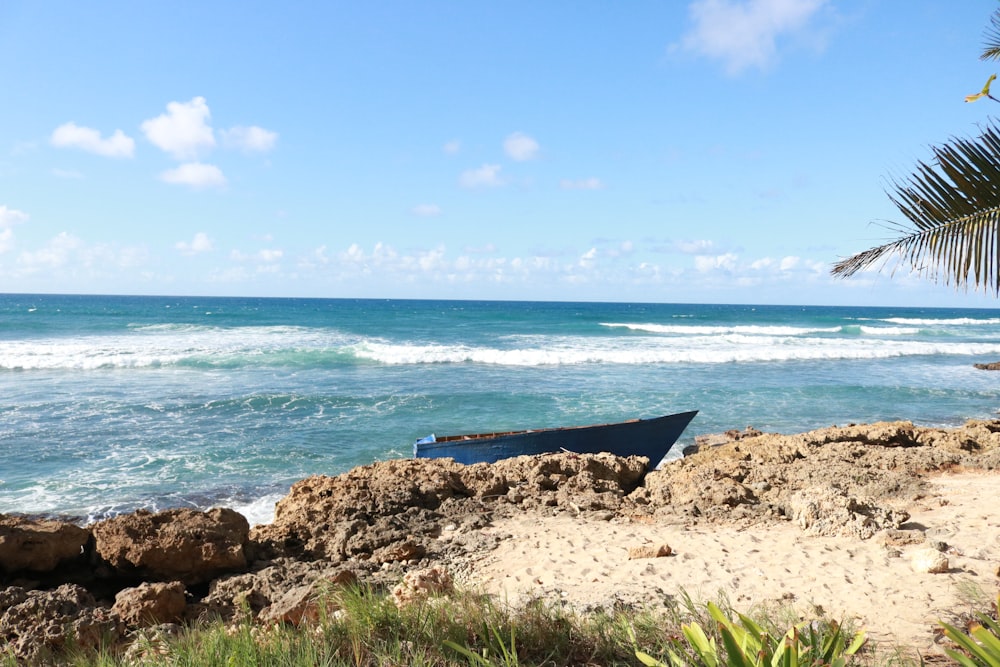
column 991, row 49
column 952, row 206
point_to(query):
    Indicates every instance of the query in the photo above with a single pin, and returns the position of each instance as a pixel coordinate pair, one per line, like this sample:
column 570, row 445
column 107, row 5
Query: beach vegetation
column 979, row 645
column 363, row 626
column 746, row 643
column 951, row 207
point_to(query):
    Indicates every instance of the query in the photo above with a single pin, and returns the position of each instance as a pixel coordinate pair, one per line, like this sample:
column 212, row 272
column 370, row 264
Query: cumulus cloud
column 486, row 176
column 591, row 183
column 199, row 244
column 11, row 216
column 520, row 147
column 426, row 210
column 696, row 247
column 8, row 218
column 196, row 175
column 251, row 139
column 744, row 34
column 706, row 263
column 71, row 135
column 183, row 131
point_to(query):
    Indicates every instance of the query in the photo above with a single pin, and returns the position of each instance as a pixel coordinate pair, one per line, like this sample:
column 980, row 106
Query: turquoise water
column 108, row 404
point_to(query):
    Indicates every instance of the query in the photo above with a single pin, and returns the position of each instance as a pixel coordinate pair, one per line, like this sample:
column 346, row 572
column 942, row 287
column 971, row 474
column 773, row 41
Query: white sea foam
column 890, row 331
column 259, row 511
column 694, row 349
column 955, row 321
column 162, row 345
column 697, row 330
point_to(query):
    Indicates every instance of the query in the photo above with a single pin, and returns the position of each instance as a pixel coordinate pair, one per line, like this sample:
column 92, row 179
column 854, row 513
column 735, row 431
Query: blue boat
column 638, row 437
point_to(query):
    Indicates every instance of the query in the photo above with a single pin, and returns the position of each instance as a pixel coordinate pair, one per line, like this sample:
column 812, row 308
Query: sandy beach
column 586, row 562
column 889, row 526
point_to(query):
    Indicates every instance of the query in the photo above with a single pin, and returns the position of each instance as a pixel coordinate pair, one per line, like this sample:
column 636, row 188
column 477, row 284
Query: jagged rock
column 35, row 625
column 181, row 544
column 649, row 551
column 992, row 366
column 38, row 545
column 307, row 603
column 901, row 538
column 369, row 512
column 150, row 604
column 830, row 511
column 422, row 584
column 401, row 551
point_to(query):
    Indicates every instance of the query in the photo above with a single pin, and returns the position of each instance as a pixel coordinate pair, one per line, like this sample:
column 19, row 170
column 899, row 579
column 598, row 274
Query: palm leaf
column 952, row 208
column 991, row 50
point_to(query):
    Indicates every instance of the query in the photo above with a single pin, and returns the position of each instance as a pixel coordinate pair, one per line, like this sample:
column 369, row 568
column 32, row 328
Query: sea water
column 110, row 403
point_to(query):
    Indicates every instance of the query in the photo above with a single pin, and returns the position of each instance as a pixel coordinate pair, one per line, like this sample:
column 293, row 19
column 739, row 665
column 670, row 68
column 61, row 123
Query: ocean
column 113, row 403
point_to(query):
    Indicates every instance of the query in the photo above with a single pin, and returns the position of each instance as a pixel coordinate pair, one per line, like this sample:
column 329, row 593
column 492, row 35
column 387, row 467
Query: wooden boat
column 638, row 437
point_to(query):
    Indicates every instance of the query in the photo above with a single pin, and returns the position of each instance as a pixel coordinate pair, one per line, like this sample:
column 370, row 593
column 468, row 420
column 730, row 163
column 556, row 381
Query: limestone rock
column 649, row 551
column 150, row 604
column 929, row 560
column 422, row 584
column 38, row 545
column 34, row 625
column 831, row 511
column 307, row 603
column 181, row 544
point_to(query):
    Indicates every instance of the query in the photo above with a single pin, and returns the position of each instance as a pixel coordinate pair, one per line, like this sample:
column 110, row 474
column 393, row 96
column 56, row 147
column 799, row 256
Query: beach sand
column 585, row 562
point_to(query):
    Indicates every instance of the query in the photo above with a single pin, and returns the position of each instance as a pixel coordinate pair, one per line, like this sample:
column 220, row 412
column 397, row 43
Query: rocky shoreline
column 421, row 523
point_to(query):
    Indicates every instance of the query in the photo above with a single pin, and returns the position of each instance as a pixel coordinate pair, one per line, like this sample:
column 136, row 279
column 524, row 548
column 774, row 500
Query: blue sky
column 725, row 151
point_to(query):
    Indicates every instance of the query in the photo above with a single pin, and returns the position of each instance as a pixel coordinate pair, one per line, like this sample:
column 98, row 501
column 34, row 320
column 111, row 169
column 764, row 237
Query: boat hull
column 640, row 437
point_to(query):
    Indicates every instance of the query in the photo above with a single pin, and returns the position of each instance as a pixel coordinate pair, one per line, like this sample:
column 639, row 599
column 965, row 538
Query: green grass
column 361, row 626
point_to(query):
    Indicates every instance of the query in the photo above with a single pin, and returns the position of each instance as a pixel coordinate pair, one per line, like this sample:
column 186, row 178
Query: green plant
column 981, row 645
column 747, row 644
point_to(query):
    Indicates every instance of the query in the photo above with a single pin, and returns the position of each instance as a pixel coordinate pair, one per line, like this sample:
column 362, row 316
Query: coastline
column 833, row 521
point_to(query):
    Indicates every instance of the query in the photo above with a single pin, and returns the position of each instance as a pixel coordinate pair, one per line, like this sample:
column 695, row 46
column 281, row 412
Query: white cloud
column 789, row 263
column 486, row 176
column 11, row 216
column 71, row 135
column 8, row 218
column 591, row 183
column 452, row 147
column 744, row 34
column 426, row 210
column 706, row 263
column 55, row 255
column 251, row 139
column 588, row 258
column 195, row 175
column 183, row 131
column 520, row 147
column 266, row 255
column 199, row 244
column 697, row 247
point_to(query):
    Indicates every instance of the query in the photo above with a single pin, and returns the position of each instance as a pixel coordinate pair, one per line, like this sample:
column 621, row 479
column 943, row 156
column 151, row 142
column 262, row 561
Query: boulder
column 36, row 625
column 181, row 544
column 39, row 545
column 420, row 585
column 929, row 560
column 150, row 604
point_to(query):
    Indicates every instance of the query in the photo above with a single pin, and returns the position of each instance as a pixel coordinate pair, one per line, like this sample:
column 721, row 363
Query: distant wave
column 769, row 330
column 156, row 346
column 960, row 321
column 304, row 348
column 703, row 350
